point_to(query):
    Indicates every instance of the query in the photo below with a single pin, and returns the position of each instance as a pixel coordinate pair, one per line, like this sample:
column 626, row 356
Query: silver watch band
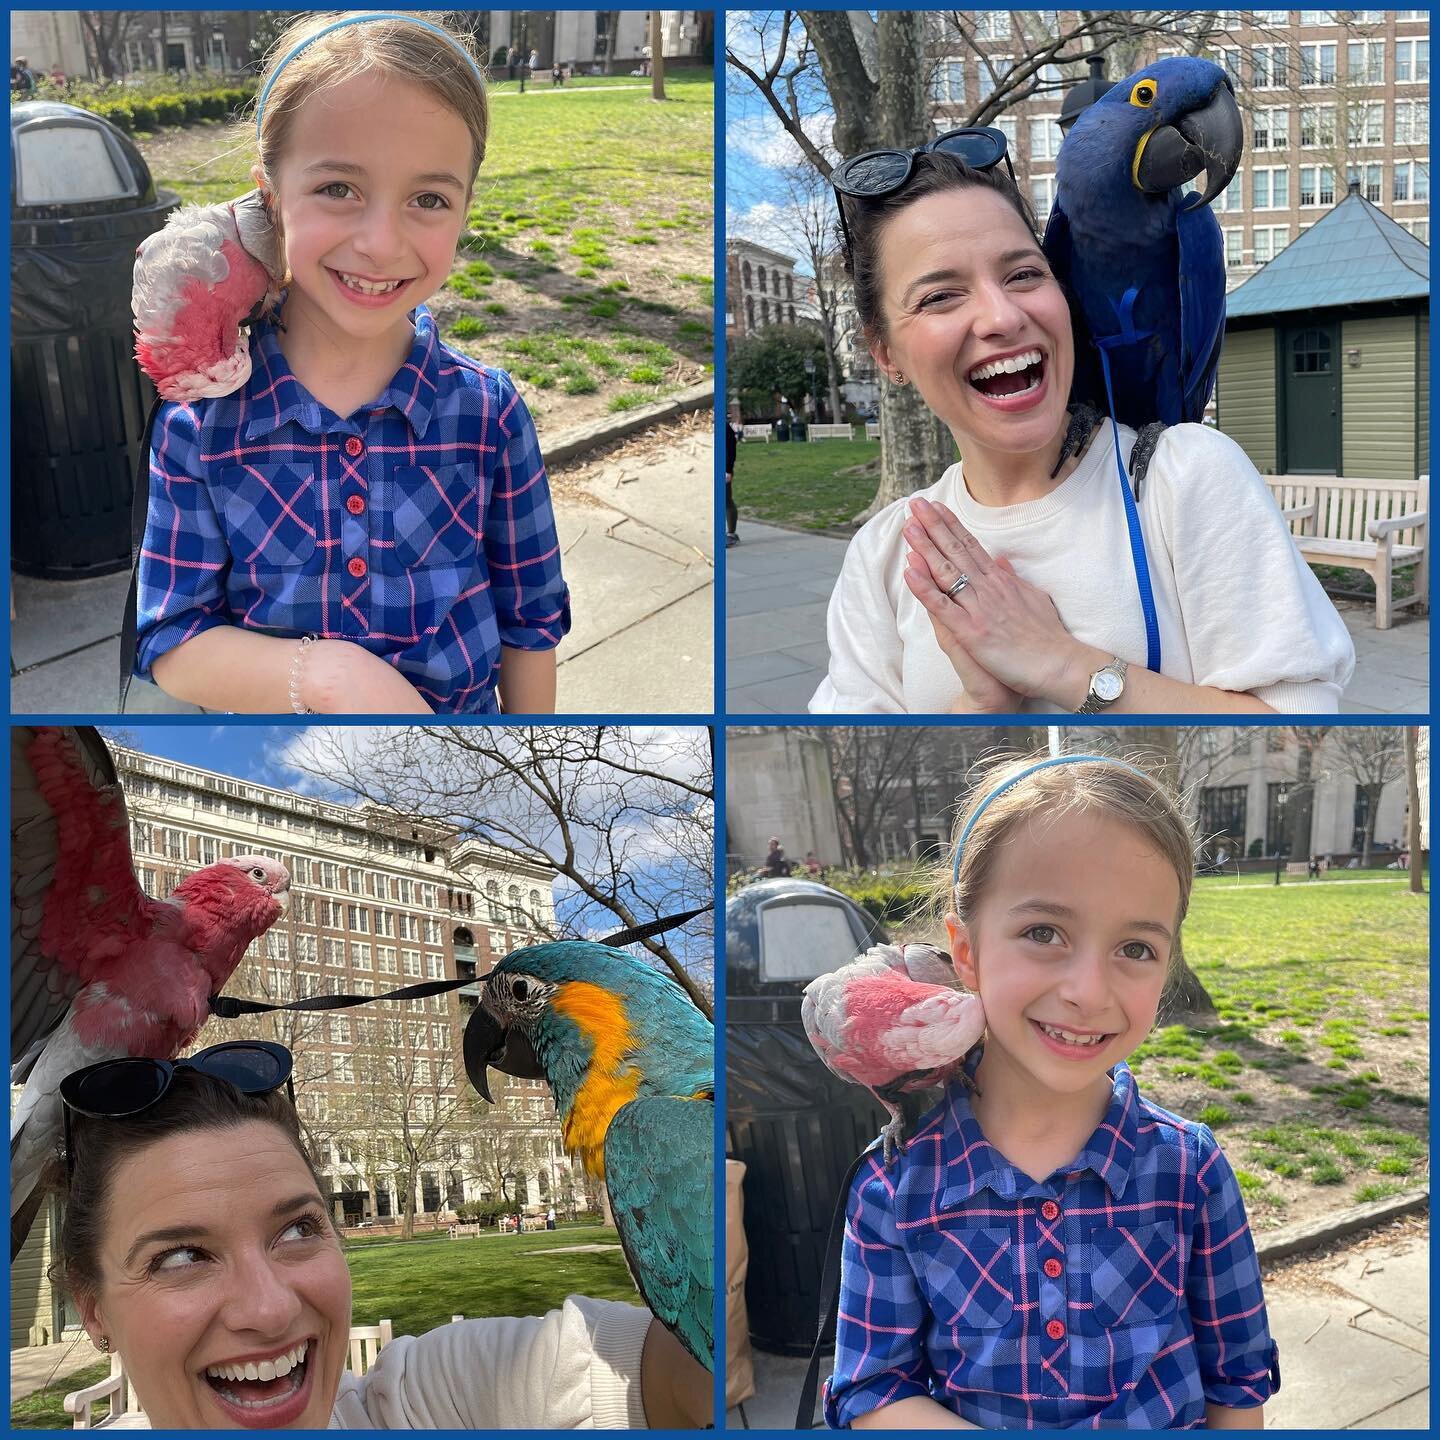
column 1094, row 702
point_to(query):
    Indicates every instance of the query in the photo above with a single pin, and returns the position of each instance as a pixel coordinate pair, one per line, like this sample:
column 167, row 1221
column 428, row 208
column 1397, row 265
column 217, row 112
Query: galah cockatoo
column 895, row 1021
column 98, row 968
column 198, row 284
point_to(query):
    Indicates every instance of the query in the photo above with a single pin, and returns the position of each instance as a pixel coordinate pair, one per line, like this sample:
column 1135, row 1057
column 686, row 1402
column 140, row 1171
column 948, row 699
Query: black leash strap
column 228, row 1007
column 139, row 509
column 829, row 1300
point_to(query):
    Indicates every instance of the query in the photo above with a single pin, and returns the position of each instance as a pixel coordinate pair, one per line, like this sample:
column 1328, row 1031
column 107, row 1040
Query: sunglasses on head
column 113, row 1089
column 878, row 173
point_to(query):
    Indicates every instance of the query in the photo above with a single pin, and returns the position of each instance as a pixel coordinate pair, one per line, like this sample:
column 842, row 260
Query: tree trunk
column 1372, row 795
column 657, row 55
column 1412, row 829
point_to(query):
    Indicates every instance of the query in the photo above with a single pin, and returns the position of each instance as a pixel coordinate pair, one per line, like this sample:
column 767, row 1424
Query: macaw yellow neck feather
column 611, row 1081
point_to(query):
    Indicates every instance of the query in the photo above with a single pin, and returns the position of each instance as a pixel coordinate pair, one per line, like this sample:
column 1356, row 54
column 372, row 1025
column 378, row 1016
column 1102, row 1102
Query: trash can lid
column 781, row 934
column 66, row 162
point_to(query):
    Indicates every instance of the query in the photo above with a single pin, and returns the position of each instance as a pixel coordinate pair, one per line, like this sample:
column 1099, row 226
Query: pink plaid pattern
column 419, row 527
column 1120, row 1292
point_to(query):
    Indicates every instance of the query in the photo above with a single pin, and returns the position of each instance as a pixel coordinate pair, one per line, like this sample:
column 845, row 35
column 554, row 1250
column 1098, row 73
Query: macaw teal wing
column 660, row 1174
column 1202, row 306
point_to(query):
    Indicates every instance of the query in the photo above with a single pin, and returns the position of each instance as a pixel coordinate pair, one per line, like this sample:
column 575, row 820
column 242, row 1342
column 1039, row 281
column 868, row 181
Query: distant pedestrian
column 534, row 61
column 732, row 515
column 550, row 1218
column 812, row 865
column 22, row 77
column 776, row 866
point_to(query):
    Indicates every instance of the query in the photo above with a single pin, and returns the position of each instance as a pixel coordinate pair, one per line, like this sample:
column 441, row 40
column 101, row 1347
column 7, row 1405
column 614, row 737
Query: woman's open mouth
column 265, row 1394
column 1072, row 1044
column 1015, row 382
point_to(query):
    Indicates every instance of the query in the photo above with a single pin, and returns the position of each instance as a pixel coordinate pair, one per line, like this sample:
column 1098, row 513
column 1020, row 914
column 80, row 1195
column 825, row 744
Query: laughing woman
column 1008, row 584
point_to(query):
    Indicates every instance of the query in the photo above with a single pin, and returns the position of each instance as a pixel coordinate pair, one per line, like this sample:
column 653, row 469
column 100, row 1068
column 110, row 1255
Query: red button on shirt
column 1053, row 1268
column 354, row 445
column 356, row 567
column 354, row 504
column 1049, row 1209
column 1054, row 1329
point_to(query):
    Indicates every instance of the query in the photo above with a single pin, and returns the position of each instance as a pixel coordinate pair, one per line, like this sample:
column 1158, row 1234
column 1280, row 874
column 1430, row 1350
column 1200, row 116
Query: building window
column 306, row 949
column 1045, row 137
column 1001, row 66
column 1272, row 129
column 1365, row 62
column 1042, row 196
column 1229, row 60
column 1270, row 240
column 329, row 875
column 1270, row 189
column 1269, row 66
column 1317, row 185
column 1317, row 125
column 389, row 961
column 1317, row 17
column 1310, row 353
column 948, row 86
column 1371, row 178
column 385, row 923
column 1412, row 182
column 300, row 870
column 339, row 1030
column 1317, row 64
column 1365, row 123
column 1234, row 248
column 1412, row 122
column 437, row 1035
column 1232, row 197
column 360, row 955
column 761, row 276
column 410, row 963
column 334, row 951
column 1412, row 61
column 750, row 311
column 364, row 987
column 991, row 24
column 209, row 851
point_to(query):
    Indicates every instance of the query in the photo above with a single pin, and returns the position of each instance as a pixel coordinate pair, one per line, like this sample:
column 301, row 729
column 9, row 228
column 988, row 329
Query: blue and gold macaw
column 1144, row 260
column 631, row 1064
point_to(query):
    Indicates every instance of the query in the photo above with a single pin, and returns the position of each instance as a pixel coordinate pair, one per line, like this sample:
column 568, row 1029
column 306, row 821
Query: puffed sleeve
column 576, row 1368
column 1255, row 616
column 184, row 556
column 879, row 1356
column 863, row 633
column 522, row 550
column 1239, row 1362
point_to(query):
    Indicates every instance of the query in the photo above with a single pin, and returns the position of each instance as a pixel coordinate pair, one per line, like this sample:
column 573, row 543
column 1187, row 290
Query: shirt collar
column 1109, row 1152
column 273, row 396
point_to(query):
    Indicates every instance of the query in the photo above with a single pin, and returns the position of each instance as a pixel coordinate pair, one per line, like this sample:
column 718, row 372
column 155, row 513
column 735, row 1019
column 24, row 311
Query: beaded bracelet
column 297, row 666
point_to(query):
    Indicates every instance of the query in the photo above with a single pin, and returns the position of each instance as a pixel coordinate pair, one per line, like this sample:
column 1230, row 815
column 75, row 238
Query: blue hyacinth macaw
column 631, row 1064
column 1143, row 259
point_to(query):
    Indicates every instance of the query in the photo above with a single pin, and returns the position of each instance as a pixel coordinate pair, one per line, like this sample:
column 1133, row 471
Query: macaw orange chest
column 612, row 1079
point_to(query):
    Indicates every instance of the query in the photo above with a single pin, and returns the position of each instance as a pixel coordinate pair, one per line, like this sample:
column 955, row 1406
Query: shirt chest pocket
column 430, row 515
column 269, row 513
column 1134, row 1274
column 968, row 1276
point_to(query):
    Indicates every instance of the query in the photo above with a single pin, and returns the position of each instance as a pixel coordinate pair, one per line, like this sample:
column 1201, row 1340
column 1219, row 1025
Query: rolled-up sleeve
column 184, row 556
column 879, row 1353
column 522, row 549
column 1256, row 617
column 1238, row 1359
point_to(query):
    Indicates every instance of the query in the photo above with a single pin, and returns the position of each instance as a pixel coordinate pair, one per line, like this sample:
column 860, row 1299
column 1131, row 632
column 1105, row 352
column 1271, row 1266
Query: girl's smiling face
column 373, row 188
column 964, row 285
column 1068, row 948
column 217, row 1252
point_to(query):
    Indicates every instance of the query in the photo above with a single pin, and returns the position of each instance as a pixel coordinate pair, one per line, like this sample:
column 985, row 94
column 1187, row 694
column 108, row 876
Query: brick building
column 761, row 288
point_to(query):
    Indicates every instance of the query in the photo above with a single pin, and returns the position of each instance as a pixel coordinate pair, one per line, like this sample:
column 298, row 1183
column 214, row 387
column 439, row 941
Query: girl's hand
column 338, row 677
column 1003, row 623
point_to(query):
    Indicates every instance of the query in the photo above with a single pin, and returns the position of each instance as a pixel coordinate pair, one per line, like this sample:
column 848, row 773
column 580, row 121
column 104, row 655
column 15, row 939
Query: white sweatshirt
column 1238, row 607
column 577, row 1368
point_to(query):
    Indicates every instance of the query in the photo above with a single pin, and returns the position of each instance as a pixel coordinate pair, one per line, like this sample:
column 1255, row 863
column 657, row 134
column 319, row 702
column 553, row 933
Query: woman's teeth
column 369, row 287
column 264, row 1369
column 1006, row 367
column 1069, row 1037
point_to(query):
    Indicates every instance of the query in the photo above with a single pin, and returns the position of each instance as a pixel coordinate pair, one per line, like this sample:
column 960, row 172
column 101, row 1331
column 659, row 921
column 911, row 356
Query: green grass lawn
column 1319, row 1073
column 45, row 1409
column 819, row 486
column 586, row 264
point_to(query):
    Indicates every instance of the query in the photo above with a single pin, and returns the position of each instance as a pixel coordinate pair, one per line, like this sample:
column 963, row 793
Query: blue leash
column 1130, row 336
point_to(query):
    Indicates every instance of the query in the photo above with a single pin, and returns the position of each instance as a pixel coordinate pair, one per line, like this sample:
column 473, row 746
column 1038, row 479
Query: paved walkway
column 778, row 583
column 33, row 1367
column 1354, row 1351
column 638, row 540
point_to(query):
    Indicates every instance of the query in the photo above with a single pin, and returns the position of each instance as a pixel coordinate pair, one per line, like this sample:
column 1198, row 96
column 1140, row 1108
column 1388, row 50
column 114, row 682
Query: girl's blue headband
column 362, row 20
column 1000, row 789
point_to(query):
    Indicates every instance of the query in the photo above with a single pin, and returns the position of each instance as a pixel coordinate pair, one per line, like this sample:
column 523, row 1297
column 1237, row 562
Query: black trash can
column 81, row 201
column 782, row 429
column 796, row 1126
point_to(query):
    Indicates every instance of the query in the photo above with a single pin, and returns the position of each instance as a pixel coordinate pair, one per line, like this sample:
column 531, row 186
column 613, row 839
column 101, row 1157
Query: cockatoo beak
column 489, row 1043
column 283, row 896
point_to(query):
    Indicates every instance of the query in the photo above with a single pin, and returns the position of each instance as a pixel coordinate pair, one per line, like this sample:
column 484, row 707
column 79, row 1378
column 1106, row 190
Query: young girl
column 1052, row 1250
column 365, row 525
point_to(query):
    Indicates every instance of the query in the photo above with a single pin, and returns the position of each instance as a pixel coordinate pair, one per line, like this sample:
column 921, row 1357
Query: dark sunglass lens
column 248, row 1068
column 979, row 151
column 120, row 1088
column 873, row 174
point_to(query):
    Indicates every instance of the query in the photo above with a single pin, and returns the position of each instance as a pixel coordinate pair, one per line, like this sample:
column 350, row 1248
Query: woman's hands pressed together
column 1003, row 635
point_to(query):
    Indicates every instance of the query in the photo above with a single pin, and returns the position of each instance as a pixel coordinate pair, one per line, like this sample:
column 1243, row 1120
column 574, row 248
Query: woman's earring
column 103, row 1344
column 898, row 379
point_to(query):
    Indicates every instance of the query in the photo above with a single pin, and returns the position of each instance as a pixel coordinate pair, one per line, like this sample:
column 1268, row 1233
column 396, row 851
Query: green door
column 1310, row 377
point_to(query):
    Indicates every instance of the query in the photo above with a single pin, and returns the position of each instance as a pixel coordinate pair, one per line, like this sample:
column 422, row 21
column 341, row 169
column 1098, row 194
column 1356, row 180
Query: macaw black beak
column 1211, row 139
column 488, row 1043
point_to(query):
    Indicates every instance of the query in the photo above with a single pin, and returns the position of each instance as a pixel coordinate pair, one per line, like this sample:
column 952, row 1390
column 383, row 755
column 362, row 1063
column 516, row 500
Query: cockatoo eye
column 1143, row 94
column 257, row 874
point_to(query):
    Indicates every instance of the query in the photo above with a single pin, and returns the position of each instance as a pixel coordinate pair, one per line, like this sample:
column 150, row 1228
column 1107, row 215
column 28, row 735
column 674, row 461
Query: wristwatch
column 1107, row 685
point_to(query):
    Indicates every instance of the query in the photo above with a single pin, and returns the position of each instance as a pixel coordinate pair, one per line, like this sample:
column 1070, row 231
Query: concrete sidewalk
column 33, row 1367
column 1354, row 1349
column 637, row 535
column 778, row 584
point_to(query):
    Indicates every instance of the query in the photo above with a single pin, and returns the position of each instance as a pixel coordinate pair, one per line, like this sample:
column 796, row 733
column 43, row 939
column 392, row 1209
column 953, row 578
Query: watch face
column 1107, row 684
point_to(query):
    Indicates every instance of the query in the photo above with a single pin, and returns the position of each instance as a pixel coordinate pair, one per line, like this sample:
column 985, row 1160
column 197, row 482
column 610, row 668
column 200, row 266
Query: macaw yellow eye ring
column 1143, row 94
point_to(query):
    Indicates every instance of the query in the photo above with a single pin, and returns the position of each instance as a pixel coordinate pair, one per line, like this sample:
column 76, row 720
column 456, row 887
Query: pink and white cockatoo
column 198, row 283
column 98, row 968
column 895, row 1021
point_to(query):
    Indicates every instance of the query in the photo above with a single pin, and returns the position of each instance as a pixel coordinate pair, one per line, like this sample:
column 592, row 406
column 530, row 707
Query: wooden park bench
column 1297, row 867
column 1378, row 526
column 872, row 429
column 756, row 432
column 831, row 432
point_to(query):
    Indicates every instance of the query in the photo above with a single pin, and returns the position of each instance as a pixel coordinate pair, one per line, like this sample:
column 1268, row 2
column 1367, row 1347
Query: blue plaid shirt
column 1122, row 1292
column 419, row 527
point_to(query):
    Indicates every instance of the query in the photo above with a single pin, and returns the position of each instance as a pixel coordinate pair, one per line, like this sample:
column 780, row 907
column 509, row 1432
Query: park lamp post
column 1280, row 800
column 810, row 389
